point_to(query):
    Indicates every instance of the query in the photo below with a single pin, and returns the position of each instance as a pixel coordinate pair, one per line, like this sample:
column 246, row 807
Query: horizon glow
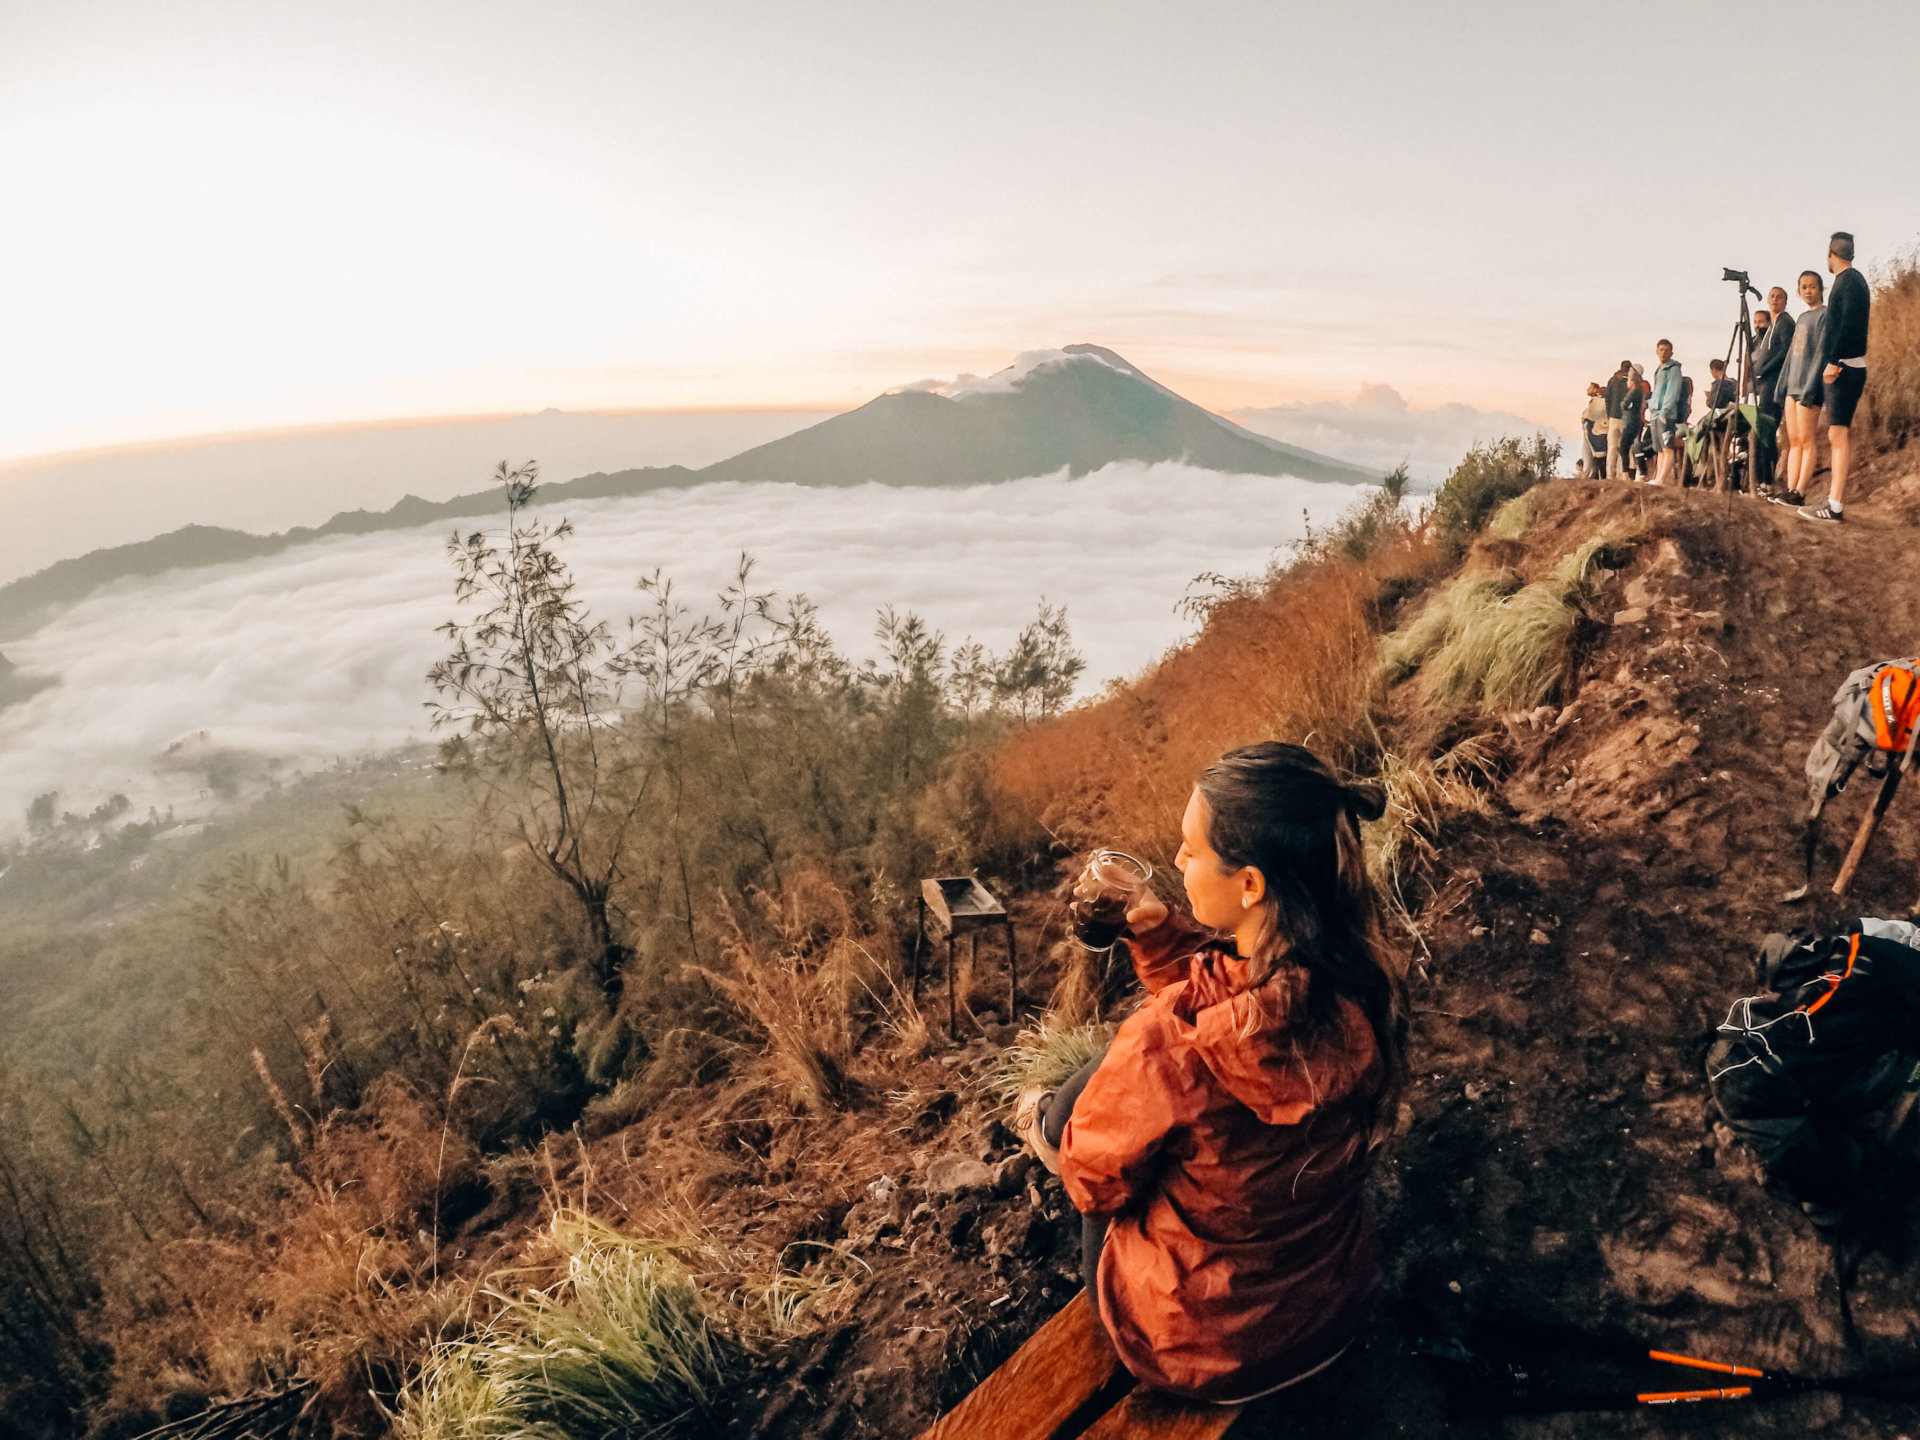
column 225, row 217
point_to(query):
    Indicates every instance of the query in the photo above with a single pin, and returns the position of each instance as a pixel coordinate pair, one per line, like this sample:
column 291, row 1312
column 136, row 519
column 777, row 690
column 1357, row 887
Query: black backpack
column 1800, row 1069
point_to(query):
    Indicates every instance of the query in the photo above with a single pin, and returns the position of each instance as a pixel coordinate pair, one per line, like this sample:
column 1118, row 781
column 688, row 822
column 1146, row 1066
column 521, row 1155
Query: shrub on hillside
column 1893, row 353
column 1487, row 478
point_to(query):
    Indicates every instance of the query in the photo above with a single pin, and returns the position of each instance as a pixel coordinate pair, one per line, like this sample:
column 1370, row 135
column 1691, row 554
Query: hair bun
column 1367, row 802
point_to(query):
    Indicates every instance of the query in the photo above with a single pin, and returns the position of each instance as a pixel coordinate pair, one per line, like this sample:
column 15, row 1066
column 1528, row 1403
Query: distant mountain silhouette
column 30, row 599
column 1075, row 409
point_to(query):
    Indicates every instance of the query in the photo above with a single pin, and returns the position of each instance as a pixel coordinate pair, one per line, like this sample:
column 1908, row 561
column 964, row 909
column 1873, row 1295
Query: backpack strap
column 1834, row 981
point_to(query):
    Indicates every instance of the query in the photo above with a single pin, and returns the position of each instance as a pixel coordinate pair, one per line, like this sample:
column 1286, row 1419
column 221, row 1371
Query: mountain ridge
column 1074, row 409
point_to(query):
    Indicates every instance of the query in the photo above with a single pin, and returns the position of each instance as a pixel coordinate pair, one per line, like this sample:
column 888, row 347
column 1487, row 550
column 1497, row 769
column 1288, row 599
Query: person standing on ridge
column 1593, row 426
column 1803, row 390
column 1633, row 407
column 1664, row 410
column 1769, row 381
column 1616, row 424
column 1843, row 367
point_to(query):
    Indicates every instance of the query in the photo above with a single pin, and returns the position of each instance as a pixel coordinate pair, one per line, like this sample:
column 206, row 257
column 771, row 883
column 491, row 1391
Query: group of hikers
column 1793, row 369
column 1219, row 1149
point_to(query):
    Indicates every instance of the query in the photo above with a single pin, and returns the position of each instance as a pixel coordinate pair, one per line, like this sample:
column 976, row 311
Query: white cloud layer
column 321, row 652
column 1377, row 428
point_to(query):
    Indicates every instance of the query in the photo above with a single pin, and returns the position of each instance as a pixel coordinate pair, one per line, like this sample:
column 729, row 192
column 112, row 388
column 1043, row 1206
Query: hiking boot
column 1026, row 1124
column 1826, row 513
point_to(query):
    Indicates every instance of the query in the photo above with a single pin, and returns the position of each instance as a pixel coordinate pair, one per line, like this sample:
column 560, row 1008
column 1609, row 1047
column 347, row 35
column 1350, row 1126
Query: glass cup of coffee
column 1106, row 890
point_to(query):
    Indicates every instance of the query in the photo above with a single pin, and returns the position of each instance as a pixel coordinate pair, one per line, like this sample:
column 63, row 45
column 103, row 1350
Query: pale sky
column 222, row 216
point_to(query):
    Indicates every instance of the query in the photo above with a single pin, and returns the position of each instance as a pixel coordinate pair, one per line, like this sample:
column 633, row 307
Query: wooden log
column 1044, row 1388
column 1868, row 824
column 1144, row 1415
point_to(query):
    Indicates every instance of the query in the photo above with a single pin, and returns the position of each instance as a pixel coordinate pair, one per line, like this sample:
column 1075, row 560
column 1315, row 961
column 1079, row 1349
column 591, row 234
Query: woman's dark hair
column 1282, row 810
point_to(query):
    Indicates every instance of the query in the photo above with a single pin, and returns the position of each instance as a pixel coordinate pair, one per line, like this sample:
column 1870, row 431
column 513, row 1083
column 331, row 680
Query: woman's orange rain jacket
column 1231, row 1150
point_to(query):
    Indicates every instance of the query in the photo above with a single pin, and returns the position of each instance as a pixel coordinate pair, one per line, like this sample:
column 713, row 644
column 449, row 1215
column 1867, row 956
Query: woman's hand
column 1148, row 912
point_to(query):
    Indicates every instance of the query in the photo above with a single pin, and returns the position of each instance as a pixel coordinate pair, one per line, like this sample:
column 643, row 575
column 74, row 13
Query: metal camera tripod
column 1732, row 454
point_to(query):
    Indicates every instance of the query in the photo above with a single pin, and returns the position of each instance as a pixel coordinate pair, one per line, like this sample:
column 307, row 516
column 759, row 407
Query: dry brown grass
column 803, row 980
column 1893, row 353
column 1292, row 660
column 337, row 1284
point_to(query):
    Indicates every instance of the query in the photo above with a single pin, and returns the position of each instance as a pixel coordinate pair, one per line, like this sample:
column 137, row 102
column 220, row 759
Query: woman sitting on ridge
column 1219, row 1150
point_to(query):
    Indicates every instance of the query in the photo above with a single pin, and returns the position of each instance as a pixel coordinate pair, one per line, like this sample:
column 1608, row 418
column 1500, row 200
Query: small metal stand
column 961, row 905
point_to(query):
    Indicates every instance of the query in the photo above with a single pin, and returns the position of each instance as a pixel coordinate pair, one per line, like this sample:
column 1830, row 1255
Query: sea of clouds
column 1378, row 428
column 320, row 653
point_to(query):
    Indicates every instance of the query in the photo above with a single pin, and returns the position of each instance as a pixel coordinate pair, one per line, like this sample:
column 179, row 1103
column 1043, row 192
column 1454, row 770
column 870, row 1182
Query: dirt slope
column 1561, row 1164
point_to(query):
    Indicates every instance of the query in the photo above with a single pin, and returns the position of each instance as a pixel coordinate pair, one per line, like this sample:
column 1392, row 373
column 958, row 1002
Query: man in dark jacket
column 1816, row 1074
column 1843, row 358
column 1721, row 392
column 1769, row 379
column 1617, row 388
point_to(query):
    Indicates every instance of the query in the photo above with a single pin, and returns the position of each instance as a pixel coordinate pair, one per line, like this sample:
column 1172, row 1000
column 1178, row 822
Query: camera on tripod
column 1740, row 278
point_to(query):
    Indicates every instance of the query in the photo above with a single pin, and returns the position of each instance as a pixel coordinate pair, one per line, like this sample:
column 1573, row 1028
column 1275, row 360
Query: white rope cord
column 1745, row 1026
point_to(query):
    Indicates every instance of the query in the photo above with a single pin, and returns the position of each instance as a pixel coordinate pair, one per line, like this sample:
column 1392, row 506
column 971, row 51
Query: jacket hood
column 1257, row 1044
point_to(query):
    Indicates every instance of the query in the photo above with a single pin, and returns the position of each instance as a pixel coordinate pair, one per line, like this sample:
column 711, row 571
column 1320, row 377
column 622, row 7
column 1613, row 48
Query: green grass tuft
column 622, row 1346
column 1515, row 518
column 1491, row 642
column 1441, row 619
column 1047, row 1055
column 1507, row 655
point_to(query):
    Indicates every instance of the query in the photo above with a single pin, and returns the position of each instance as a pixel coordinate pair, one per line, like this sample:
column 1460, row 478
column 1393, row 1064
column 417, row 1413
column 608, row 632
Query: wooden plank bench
column 1066, row 1383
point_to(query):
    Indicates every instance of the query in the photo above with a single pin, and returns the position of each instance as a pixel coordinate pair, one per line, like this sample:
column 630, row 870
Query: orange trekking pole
column 1479, row 1386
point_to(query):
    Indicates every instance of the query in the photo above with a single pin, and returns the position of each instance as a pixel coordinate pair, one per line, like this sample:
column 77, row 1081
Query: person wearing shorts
column 1663, row 413
column 1802, row 391
column 1843, row 368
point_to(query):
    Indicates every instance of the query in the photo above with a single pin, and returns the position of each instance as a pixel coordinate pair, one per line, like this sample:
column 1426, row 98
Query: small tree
column 970, row 679
column 1034, row 680
column 534, row 684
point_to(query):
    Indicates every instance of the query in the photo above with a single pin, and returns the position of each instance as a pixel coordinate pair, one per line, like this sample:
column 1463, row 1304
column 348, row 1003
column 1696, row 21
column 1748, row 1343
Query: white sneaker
column 1026, row 1124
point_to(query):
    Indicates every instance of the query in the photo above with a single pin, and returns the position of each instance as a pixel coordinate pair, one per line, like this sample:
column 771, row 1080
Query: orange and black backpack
column 1832, row 1037
column 1874, row 715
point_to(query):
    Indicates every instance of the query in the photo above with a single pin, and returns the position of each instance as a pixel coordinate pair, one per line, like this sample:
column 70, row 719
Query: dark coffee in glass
column 1106, row 890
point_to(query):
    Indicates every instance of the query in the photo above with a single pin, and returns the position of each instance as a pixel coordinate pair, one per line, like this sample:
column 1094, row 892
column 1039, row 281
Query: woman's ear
column 1253, row 887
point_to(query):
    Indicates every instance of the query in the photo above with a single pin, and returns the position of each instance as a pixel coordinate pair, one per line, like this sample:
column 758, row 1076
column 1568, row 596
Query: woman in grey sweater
column 1804, row 392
